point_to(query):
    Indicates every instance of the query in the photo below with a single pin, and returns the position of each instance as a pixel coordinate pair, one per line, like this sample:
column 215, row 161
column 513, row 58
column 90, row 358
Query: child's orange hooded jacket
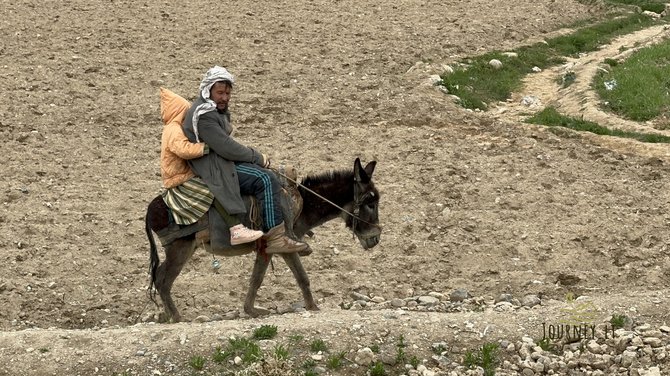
column 175, row 147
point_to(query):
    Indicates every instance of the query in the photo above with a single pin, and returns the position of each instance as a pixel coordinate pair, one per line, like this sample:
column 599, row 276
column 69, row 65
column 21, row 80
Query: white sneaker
column 240, row 234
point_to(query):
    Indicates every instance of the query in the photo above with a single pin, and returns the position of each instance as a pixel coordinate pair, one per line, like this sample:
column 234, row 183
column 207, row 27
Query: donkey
column 350, row 195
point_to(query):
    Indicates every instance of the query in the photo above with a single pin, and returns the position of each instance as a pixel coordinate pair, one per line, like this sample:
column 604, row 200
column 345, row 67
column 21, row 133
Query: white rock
column 496, row 64
column 530, row 101
column 627, row 358
column 435, row 294
column 651, row 14
column 202, row 318
column 397, row 302
column 435, row 79
column 594, row 347
column 428, row 301
column 378, row 299
column 653, row 341
column 364, row 356
column 652, row 371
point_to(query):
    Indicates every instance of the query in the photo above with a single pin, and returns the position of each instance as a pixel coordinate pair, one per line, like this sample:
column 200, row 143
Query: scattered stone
column 447, row 69
column 531, row 300
column 459, row 295
column 567, row 279
column 396, row 302
column 428, row 301
column 183, row 338
column 231, row 315
column 358, row 296
column 651, row 14
column 496, row 64
column 653, row 341
column 364, row 356
column 504, row 298
column 378, row 299
column 530, row 101
column 434, row 79
column 202, row 318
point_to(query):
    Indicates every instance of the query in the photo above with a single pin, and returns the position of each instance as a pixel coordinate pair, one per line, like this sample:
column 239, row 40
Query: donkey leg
column 293, row 262
column 176, row 256
column 260, row 268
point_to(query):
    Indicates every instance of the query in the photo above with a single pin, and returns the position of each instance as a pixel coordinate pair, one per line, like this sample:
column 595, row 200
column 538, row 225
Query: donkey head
column 365, row 223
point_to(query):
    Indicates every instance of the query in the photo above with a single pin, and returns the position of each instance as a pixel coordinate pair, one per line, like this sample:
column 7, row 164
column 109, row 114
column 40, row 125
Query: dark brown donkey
column 352, row 190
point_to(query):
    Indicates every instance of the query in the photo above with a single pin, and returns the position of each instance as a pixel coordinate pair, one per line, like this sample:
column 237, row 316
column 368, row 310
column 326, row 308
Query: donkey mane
column 327, row 177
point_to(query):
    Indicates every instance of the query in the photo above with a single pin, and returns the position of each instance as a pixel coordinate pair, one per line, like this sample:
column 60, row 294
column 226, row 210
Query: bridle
column 356, row 205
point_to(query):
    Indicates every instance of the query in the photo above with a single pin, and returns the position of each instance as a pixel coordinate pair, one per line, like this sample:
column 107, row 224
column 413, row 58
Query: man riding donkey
column 229, row 169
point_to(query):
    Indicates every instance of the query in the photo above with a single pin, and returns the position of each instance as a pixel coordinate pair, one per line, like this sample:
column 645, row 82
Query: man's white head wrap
column 212, row 76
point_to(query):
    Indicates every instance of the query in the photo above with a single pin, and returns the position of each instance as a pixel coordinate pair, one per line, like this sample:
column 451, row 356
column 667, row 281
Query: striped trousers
column 263, row 184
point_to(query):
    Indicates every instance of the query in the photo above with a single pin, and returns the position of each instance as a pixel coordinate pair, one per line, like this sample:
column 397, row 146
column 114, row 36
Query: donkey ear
column 359, row 172
column 363, row 174
column 370, row 168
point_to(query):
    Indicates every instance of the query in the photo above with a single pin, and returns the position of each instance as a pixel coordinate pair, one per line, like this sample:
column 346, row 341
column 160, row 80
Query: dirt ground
column 470, row 200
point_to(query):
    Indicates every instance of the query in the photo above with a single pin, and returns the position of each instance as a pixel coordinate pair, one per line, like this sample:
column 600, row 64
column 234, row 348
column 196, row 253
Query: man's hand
column 266, row 161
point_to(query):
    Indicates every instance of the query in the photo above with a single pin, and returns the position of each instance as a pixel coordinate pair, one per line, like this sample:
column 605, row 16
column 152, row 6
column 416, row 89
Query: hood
column 173, row 107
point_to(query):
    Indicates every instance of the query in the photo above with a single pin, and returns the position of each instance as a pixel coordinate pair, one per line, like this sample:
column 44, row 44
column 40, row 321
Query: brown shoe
column 278, row 242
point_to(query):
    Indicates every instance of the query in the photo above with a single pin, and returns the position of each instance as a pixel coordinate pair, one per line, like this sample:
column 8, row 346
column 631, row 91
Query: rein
column 357, row 200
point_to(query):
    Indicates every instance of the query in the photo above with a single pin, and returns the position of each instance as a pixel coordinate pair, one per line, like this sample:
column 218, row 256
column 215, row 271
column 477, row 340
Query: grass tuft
column 550, row 117
column 618, row 321
column 377, row 369
column 486, row 357
column 197, row 362
column 639, row 87
column 318, row 345
column 265, row 332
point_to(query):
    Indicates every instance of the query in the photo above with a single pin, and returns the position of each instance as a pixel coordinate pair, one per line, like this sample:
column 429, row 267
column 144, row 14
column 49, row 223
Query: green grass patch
column 247, row 350
column 550, row 117
column 400, row 350
column 485, row 357
column 377, row 369
column 265, row 332
column 335, row 361
column 618, row 321
column 652, row 6
column 197, row 362
column 318, row 345
column 639, row 87
column 476, row 83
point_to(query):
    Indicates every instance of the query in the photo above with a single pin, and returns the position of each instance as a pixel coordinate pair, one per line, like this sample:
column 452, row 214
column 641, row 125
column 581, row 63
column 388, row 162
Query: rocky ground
column 475, row 201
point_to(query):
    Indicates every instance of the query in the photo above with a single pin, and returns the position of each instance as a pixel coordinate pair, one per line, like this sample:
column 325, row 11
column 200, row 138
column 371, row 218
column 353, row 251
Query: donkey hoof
column 312, row 308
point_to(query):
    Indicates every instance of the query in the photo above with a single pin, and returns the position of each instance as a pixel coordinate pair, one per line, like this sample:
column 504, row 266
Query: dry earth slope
column 469, row 201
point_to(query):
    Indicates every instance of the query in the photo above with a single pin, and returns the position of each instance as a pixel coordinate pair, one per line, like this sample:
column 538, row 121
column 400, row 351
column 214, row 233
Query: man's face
column 220, row 94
